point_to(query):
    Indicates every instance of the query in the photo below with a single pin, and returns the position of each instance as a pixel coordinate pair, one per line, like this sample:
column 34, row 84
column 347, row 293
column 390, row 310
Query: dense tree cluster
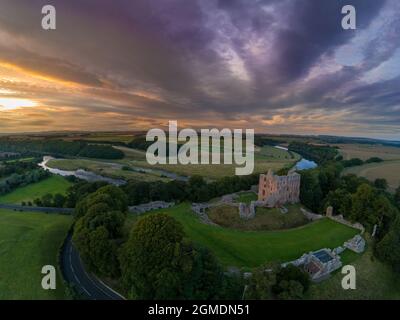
column 261, row 141
column 18, row 167
column 197, row 189
column 358, row 162
column 99, row 229
column 158, row 262
column 61, row 148
column 275, row 282
column 319, row 154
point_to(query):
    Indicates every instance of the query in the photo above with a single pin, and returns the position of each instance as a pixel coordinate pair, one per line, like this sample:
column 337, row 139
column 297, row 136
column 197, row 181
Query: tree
column 397, row 196
column 58, row 200
column 261, row 283
column 110, row 196
column 310, row 190
column 95, row 236
column 381, row 183
column 290, row 289
column 340, row 200
column 100, row 220
column 291, row 283
column 158, row 263
column 388, row 249
column 362, row 205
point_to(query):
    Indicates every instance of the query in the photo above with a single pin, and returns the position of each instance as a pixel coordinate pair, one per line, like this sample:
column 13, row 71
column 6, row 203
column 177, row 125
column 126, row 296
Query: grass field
column 108, row 169
column 28, row 241
column 247, row 197
column 265, row 158
column 389, row 170
column 366, row 151
column 251, row 248
column 53, row 184
column 375, row 280
column 265, row 219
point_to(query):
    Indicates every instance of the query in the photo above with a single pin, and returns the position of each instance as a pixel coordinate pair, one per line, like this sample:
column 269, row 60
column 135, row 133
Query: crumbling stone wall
column 279, row 190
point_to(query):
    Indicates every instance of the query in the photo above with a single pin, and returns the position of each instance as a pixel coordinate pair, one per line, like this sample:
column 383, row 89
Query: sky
column 277, row 66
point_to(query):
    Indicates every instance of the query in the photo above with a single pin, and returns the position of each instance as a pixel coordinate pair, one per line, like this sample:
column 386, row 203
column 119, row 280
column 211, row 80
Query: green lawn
column 247, row 197
column 253, row 248
column 265, row 219
column 53, row 184
column 28, row 241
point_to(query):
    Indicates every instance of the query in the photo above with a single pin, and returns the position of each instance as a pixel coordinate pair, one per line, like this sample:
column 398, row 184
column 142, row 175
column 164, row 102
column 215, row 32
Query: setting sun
column 14, row 103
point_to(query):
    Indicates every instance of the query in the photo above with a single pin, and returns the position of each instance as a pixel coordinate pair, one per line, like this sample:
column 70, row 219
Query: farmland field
column 265, row 158
column 366, row 151
column 53, row 184
column 389, row 170
column 28, row 241
column 253, row 248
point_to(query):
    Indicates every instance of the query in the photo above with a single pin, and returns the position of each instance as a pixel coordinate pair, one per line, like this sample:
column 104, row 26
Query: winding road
column 85, row 283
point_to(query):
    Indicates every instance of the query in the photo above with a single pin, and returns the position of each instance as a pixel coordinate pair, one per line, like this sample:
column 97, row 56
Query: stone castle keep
column 276, row 190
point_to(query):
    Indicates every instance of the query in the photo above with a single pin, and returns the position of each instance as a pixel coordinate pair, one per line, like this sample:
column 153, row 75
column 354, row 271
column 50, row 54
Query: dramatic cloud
column 279, row 66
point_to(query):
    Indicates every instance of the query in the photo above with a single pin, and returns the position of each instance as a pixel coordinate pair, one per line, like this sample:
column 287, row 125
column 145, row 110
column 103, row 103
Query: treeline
column 19, row 180
column 358, row 162
column 18, row 167
column 197, row 189
column 261, row 141
column 319, row 154
column 61, row 148
column 358, row 200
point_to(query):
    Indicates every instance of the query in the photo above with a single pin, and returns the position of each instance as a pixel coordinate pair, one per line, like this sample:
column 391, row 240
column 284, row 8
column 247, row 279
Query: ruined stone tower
column 277, row 190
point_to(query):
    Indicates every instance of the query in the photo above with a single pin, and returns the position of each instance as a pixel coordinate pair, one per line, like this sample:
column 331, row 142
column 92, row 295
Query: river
column 80, row 173
column 303, row 164
column 91, row 176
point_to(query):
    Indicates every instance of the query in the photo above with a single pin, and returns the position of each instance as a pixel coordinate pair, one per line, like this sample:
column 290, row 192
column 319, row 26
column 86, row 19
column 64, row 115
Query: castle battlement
column 277, row 190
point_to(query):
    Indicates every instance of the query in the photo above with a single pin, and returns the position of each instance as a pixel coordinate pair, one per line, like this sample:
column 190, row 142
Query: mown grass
column 28, row 241
column 253, row 248
column 247, row 197
column 54, row 184
column 265, row 219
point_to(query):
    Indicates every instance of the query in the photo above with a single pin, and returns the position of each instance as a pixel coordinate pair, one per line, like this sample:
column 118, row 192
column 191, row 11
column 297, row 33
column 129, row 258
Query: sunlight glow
column 15, row 103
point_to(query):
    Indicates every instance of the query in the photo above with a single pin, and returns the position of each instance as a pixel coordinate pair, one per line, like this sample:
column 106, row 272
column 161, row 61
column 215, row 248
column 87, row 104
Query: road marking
column 95, row 284
column 74, row 274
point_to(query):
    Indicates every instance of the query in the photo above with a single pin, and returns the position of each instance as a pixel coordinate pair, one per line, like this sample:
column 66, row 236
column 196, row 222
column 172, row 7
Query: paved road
column 18, row 207
column 86, row 284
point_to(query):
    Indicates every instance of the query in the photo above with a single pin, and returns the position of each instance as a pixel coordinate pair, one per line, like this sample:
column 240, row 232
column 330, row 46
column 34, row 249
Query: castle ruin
column 276, row 191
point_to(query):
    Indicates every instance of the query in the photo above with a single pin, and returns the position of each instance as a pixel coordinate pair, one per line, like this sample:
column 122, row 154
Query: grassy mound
column 265, row 219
